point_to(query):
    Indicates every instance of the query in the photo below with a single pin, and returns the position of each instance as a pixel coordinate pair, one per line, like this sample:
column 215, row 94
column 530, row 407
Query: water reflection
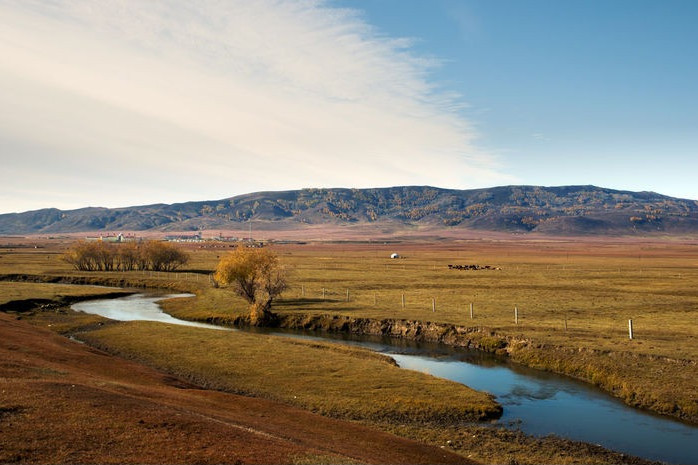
column 541, row 403
column 137, row 307
column 529, row 393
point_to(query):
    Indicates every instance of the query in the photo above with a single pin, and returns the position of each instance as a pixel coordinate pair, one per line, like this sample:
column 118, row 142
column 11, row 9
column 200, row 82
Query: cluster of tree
column 256, row 275
column 127, row 256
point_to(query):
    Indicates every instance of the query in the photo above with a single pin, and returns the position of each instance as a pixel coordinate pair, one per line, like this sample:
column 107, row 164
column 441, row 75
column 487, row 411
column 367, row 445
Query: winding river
column 138, row 307
column 535, row 402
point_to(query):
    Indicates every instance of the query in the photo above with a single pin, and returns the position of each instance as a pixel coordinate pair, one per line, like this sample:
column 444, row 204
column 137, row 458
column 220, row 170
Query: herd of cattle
column 472, row 267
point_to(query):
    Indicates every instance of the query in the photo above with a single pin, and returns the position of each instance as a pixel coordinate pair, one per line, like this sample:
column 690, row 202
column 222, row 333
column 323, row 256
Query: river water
column 137, row 307
column 535, row 402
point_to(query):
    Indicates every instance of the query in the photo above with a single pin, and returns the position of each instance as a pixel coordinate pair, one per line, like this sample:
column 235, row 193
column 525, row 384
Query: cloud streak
column 173, row 101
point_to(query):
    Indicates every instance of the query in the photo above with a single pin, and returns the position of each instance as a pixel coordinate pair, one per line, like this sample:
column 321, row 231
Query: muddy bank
column 622, row 374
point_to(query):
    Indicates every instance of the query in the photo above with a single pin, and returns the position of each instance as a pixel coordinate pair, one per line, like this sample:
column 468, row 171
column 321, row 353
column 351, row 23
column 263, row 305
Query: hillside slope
column 567, row 210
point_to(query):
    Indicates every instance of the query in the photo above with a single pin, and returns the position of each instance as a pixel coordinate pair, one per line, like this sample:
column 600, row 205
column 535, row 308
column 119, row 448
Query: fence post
column 375, row 299
column 433, row 304
column 347, row 295
column 630, row 329
column 403, row 300
column 302, row 290
column 516, row 314
column 471, row 310
column 323, row 293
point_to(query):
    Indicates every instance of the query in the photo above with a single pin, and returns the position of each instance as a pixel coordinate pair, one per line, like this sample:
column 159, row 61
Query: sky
column 119, row 103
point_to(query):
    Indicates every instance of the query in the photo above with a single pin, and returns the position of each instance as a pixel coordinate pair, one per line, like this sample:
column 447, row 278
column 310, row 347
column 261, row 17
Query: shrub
column 101, row 256
column 255, row 275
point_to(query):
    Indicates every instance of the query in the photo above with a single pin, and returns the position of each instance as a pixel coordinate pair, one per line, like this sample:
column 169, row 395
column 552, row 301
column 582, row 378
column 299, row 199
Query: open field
column 596, row 287
column 336, row 380
column 12, row 291
column 574, row 301
column 593, row 287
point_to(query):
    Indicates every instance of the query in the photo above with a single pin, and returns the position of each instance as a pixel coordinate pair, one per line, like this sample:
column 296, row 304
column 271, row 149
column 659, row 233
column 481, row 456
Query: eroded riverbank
column 597, row 367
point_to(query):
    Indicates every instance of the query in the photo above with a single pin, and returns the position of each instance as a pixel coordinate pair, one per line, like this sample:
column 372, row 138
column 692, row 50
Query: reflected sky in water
column 538, row 402
column 137, row 307
column 542, row 403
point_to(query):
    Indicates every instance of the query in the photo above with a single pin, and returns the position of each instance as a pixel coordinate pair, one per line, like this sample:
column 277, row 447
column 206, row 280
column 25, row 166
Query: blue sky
column 568, row 92
column 117, row 103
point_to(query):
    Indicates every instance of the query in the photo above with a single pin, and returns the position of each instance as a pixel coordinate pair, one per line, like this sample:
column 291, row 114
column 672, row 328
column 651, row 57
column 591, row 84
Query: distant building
column 110, row 237
column 184, row 237
column 394, row 255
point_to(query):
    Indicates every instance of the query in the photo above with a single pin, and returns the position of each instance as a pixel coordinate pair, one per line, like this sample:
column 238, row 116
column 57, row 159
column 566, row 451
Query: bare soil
column 65, row 402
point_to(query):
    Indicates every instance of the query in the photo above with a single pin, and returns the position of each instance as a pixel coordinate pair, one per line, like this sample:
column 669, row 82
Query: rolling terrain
column 560, row 211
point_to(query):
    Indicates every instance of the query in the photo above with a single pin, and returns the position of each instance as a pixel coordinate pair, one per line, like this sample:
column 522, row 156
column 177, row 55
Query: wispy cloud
column 179, row 100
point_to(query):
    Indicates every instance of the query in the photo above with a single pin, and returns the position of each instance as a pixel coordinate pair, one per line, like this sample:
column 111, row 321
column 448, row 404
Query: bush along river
column 535, row 402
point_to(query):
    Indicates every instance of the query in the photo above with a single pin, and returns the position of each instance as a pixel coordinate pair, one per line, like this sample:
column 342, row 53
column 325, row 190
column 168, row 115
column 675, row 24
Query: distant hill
column 569, row 210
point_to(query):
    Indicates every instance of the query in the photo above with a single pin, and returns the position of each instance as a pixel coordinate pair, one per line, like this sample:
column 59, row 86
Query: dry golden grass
column 115, row 421
column 64, row 402
column 594, row 286
column 543, row 279
column 46, row 263
column 336, row 381
column 12, row 291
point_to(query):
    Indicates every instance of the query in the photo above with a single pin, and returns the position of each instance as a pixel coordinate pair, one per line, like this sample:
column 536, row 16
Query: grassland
column 332, row 380
column 574, row 300
column 13, row 291
column 63, row 402
column 345, row 383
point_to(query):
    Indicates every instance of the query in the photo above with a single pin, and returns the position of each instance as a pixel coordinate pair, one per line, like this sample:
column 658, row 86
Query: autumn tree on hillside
column 255, row 275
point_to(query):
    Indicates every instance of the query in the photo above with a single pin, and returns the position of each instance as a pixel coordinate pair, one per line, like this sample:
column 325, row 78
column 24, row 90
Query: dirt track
column 64, row 402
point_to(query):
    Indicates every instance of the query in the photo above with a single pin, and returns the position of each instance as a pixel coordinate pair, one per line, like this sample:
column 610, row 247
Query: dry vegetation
column 14, row 291
column 63, row 402
column 595, row 286
column 335, row 381
column 592, row 288
column 102, row 256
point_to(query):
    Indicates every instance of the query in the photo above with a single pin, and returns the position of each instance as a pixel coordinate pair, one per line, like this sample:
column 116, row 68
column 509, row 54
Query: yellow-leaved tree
column 256, row 275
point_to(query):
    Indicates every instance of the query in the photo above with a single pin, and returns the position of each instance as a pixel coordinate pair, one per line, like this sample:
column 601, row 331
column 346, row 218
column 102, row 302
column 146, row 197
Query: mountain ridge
column 559, row 210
